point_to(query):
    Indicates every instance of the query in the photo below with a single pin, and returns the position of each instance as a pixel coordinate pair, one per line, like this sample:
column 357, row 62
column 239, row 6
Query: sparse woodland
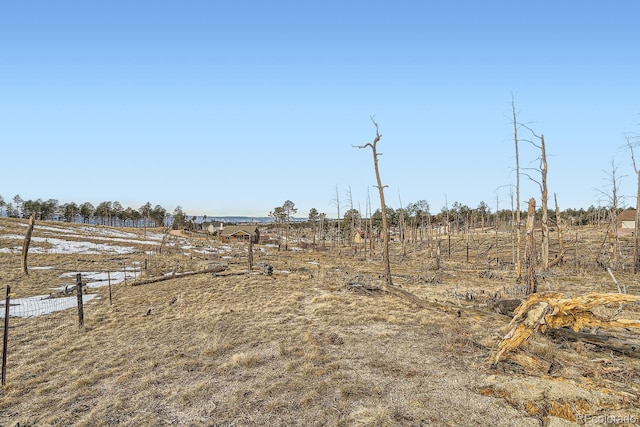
column 395, row 317
column 320, row 340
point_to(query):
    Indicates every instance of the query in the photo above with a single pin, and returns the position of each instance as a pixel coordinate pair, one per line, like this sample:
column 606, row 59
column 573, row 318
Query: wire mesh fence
column 49, row 317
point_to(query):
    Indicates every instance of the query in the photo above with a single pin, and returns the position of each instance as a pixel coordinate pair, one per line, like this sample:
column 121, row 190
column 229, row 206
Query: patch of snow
column 68, row 246
column 95, row 279
column 12, row 236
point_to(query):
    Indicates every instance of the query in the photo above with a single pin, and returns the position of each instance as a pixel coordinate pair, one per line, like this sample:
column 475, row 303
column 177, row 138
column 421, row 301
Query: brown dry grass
column 299, row 348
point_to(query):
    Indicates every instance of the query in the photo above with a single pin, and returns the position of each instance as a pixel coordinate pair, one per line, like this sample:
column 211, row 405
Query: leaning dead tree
column 385, row 227
column 26, row 243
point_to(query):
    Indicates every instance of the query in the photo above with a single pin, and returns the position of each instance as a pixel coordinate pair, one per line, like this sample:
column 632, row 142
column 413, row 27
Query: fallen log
column 552, row 310
column 176, row 276
column 362, row 287
column 422, row 303
column 625, row 347
column 448, row 307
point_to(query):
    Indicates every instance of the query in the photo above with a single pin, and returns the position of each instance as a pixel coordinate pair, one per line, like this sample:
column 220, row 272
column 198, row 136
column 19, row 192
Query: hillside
column 318, row 342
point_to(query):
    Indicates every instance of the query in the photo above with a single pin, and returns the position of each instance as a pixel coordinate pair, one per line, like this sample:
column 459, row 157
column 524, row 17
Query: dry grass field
column 302, row 346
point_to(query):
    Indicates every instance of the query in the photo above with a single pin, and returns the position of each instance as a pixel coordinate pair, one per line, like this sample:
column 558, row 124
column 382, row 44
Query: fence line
column 24, row 318
column 5, row 335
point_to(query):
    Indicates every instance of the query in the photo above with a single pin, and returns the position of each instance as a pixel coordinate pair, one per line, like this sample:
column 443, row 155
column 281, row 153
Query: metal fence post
column 109, row 279
column 5, row 338
column 80, row 305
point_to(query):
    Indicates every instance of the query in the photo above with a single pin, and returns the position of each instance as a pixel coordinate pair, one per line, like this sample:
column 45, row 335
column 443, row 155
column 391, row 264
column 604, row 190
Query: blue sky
column 231, row 108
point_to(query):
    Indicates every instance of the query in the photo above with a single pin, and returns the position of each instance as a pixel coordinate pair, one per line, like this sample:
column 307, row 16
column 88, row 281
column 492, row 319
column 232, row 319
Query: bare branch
column 532, row 179
column 373, row 120
column 368, row 144
column 633, row 159
column 531, row 130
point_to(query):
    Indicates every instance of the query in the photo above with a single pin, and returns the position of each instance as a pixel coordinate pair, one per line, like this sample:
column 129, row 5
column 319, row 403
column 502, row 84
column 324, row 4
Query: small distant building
column 627, row 219
column 214, row 230
column 239, row 233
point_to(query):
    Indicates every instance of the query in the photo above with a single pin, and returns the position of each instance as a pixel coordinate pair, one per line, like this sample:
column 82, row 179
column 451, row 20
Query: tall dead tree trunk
column 518, row 219
column 321, row 234
column 513, row 240
column 336, row 201
column 497, row 226
column 383, row 206
column 544, row 202
column 352, row 226
column 402, row 226
column 560, row 256
column 371, row 239
column 636, row 238
column 530, row 252
column 26, row 243
column 544, row 194
column 636, row 242
column 612, row 231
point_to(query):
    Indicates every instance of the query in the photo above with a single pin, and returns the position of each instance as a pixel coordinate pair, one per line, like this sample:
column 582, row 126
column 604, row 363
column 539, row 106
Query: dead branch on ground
column 215, row 269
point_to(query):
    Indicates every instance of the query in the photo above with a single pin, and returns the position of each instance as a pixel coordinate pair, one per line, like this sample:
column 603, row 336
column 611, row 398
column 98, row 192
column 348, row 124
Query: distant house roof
column 627, row 215
column 239, row 229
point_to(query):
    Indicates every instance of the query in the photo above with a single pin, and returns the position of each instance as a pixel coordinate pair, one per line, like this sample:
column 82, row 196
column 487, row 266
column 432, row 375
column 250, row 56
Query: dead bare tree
column 401, row 224
column 544, row 192
column 636, row 238
column 370, row 216
column 497, row 220
column 514, row 252
column 560, row 256
column 321, row 236
column 26, row 243
column 385, row 227
column 530, row 251
column 352, row 217
column 518, row 219
column 613, row 199
column 497, row 227
column 336, row 201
